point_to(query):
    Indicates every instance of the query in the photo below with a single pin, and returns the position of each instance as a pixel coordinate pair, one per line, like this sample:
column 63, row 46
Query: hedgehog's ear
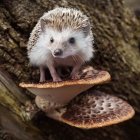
column 44, row 22
column 86, row 28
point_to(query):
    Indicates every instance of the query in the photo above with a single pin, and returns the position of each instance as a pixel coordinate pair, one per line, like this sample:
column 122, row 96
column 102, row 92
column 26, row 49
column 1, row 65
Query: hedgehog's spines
column 60, row 18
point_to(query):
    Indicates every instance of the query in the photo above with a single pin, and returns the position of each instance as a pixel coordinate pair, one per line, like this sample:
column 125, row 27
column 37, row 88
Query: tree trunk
column 116, row 32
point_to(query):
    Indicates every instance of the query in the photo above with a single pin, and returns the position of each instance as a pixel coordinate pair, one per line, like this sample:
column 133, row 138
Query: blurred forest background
column 116, row 28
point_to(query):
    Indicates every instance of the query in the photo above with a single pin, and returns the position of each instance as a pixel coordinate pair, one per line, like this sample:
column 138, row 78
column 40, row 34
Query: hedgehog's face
column 67, row 42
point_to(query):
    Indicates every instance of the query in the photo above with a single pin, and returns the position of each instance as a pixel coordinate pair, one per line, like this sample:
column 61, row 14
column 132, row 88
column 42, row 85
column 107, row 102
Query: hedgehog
column 61, row 37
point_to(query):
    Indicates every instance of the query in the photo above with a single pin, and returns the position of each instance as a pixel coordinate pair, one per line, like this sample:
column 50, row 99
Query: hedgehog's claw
column 75, row 76
column 57, row 79
column 42, row 79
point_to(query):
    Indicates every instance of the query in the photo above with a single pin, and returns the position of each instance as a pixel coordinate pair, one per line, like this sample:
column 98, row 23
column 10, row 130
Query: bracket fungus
column 91, row 109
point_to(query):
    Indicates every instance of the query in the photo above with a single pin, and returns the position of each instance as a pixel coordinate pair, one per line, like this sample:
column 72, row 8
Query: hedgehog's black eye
column 51, row 40
column 72, row 40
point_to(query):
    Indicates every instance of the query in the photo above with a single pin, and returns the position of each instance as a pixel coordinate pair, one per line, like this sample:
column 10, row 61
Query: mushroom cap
column 97, row 109
column 93, row 109
column 64, row 91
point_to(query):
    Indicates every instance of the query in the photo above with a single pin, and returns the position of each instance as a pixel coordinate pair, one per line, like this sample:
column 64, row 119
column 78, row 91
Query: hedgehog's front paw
column 42, row 79
column 75, row 76
column 57, row 79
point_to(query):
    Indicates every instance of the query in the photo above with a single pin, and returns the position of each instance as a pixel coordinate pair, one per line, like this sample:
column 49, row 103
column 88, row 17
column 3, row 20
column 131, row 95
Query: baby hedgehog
column 62, row 37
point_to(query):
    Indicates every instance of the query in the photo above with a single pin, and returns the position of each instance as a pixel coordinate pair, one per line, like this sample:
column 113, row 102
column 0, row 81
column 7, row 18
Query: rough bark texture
column 116, row 32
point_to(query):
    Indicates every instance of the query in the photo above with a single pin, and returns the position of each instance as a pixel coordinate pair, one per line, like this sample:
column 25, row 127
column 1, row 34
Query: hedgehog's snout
column 58, row 52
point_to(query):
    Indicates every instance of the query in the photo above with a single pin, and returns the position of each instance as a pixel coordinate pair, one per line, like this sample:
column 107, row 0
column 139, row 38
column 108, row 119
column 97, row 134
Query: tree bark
column 116, row 32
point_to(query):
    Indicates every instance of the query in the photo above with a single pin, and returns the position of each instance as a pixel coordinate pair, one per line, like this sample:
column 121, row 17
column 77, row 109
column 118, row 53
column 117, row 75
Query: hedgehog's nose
column 58, row 52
